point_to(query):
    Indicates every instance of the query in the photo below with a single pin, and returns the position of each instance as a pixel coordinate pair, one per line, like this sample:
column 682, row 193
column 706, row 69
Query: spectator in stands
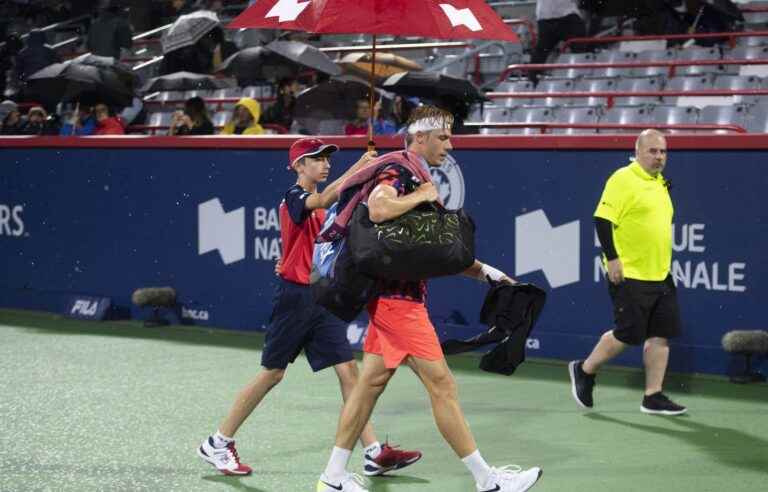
column 35, row 56
column 81, row 123
column 106, row 123
column 39, row 123
column 245, row 119
column 557, row 21
column 12, row 123
column 194, row 120
column 401, row 111
column 6, row 107
column 281, row 113
column 8, row 52
column 359, row 126
column 174, row 8
column 218, row 46
column 110, row 32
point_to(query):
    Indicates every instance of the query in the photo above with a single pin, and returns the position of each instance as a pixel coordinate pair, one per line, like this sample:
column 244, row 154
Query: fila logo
column 554, row 250
column 198, row 315
column 85, row 307
column 221, row 231
column 460, row 17
column 287, row 10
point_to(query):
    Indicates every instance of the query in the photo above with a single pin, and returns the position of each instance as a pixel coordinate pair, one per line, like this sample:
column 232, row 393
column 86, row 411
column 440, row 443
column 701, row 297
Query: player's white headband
column 428, row 124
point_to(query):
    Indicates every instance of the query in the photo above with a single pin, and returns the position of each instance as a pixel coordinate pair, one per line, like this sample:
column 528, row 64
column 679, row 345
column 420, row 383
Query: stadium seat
column 196, row 93
column 576, row 115
column 593, row 85
column 572, row 58
column 748, row 52
column 530, row 115
column 220, row 118
column 739, row 82
column 695, row 54
column 625, row 115
column 737, row 114
column 746, row 41
column 644, row 84
column 557, row 85
column 520, row 85
column 614, row 56
column 496, row 115
column 696, row 83
column 675, row 115
column 159, row 119
column 653, row 56
column 170, row 96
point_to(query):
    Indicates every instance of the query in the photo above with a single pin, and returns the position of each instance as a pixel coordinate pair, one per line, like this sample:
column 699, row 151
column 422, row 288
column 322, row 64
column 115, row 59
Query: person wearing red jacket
column 106, row 124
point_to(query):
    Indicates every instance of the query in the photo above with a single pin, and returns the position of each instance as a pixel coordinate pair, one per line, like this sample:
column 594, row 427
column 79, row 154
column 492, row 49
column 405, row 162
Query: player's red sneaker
column 390, row 458
column 223, row 459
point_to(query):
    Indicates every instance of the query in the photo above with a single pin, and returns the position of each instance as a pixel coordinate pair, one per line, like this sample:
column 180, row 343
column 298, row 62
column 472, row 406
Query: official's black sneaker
column 659, row 404
column 581, row 384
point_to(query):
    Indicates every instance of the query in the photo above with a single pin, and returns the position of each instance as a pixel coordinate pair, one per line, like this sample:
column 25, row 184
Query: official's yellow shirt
column 641, row 211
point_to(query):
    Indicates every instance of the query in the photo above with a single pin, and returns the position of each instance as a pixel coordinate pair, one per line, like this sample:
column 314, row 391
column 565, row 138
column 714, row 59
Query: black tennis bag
column 428, row 241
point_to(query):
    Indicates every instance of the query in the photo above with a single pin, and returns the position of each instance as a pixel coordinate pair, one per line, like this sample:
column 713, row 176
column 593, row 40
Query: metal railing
column 672, row 65
column 610, row 96
column 730, row 36
column 544, row 126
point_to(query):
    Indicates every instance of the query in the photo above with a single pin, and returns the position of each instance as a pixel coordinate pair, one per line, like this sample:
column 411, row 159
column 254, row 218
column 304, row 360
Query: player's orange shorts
column 400, row 328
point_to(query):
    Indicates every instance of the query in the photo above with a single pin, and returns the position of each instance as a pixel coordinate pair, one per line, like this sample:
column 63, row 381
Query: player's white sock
column 477, row 466
column 337, row 465
column 220, row 440
column 374, row 450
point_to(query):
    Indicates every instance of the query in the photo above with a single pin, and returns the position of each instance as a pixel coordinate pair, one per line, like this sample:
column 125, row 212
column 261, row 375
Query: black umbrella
column 123, row 71
column 275, row 61
column 186, row 81
column 189, row 29
column 305, row 55
column 432, row 85
column 256, row 64
column 336, row 98
column 69, row 81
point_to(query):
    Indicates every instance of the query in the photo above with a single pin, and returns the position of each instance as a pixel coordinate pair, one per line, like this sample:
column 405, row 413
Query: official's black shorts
column 297, row 324
column 645, row 309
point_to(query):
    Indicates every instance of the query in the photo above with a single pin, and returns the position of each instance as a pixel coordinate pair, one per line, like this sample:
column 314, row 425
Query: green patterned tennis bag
column 428, row 241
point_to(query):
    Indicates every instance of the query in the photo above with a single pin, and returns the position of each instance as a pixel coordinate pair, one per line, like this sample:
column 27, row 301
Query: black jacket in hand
column 510, row 311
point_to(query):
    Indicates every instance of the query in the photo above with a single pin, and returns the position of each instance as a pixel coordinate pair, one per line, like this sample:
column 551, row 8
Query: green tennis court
column 116, row 406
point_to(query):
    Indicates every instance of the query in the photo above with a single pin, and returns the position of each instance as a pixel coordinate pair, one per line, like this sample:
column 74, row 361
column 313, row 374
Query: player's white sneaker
column 351, row 482
column 510, row 478
column 223, row 459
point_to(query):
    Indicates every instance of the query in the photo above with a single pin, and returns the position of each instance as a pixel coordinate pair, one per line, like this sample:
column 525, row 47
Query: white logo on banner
column 287, row 10
column 11, row 222
column 85, row 307
column 449, row 182
column 198, row 315
column 222, row 231
column 460, row 17
column 554, row 250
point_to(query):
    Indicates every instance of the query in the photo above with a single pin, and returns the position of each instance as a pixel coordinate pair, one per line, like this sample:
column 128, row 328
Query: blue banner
column 108, row 221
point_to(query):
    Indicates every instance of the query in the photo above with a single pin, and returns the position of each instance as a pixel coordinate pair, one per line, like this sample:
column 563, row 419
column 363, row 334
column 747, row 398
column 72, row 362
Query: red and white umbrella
column 440, row 19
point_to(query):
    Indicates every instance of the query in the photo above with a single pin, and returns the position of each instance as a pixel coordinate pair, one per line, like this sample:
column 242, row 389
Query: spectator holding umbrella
column 194, row 120
column 38, row 123
column 35, row 56
column 359, row 126
column 109, row 33
column 12, row 123
column 106, row 123
column 81, row 123
column 245, row 118
column 281, row 113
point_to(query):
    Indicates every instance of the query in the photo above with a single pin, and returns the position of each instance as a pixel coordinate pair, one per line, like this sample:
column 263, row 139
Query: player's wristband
column 490, row 273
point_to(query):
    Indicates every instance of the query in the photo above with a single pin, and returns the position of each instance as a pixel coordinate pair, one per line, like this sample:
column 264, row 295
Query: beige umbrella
column 387, row 64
